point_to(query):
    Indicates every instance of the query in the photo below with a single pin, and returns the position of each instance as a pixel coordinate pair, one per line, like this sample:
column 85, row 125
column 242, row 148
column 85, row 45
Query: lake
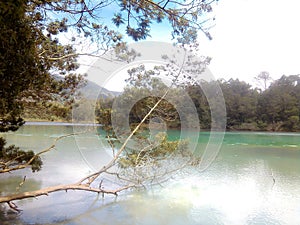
column 237, row 188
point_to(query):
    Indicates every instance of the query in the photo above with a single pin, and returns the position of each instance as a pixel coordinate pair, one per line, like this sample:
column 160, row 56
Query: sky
column 253, row 36
column 250, row 36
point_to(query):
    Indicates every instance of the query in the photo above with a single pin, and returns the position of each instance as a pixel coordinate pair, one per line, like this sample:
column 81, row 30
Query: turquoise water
column 237, row 188
column 264, row 139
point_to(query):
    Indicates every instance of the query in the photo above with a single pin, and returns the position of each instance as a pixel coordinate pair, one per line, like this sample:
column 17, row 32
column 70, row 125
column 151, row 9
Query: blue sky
column 250, row 36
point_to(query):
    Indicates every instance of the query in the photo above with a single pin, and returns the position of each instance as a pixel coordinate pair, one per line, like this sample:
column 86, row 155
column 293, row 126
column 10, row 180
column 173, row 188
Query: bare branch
column 48, row 190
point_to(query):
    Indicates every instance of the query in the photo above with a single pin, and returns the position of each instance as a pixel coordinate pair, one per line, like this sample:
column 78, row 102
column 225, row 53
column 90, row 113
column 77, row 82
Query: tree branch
column 27, row 164
column 48, row 190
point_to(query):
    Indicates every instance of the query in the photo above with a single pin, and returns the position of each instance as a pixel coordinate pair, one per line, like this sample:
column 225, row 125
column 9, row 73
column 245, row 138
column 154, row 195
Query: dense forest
column 271, row 108
column 274, row 109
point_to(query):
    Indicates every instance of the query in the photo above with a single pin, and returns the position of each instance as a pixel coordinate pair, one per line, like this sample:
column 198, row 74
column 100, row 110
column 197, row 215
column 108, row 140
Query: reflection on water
column 11, row 184
column 238, row 188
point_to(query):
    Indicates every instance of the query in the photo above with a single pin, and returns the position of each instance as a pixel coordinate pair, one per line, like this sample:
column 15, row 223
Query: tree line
column 276, row 108
column 272, row 108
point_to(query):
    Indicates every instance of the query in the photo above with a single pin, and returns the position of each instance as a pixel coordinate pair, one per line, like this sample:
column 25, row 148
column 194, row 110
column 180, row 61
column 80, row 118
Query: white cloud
column 253, row 35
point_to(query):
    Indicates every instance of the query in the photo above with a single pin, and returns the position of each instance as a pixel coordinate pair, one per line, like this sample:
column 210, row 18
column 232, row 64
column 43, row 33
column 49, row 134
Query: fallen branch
column 48, row 190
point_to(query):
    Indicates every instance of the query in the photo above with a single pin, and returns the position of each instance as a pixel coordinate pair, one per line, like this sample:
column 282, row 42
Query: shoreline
column 66, row 123
column 59, row 123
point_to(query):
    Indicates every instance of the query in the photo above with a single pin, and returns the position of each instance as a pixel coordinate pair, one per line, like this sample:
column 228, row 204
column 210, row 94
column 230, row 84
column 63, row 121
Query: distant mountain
column 93, row 91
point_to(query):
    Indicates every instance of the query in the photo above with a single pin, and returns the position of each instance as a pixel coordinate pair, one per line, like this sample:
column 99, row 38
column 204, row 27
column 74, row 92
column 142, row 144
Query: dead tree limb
column 48, row 190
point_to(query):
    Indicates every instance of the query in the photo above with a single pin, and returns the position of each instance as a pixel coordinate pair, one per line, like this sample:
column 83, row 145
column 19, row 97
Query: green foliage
column 141, row 83
column 240, row 100
column 279, row 105
column 18, row 68
column 292, row 123
column 277, row 108
column 154, row 153
column 203, row 109
column 13, row 156
column 32, row 69
column 33, row 66
column 47, row 111
column 103, row 113
column 137, row 16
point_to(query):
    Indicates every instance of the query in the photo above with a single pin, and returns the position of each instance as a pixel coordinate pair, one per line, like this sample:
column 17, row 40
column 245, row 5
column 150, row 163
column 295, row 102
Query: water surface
column 238, row 187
